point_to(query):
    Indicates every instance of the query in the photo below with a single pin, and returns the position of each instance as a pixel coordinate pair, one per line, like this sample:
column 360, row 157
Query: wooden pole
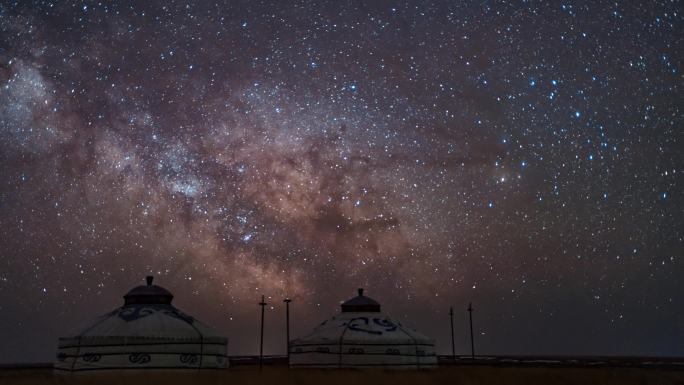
column 453, row 347
column 472, row 339
column 287, row 326
column 261, row 341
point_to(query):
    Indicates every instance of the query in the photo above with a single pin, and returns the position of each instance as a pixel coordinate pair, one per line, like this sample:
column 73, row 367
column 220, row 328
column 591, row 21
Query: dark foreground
column 460, row 372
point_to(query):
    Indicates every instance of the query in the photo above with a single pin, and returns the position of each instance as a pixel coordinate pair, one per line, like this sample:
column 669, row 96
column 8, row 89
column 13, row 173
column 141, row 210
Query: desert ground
column 464, row 373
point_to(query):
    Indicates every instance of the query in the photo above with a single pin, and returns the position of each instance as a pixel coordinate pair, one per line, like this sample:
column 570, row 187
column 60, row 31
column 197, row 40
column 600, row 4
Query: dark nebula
column 523, row 156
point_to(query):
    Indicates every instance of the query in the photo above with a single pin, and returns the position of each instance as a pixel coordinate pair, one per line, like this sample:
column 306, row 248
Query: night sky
column 524, row 156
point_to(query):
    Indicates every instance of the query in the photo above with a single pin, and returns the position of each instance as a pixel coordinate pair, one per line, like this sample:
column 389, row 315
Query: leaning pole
column 453, row 347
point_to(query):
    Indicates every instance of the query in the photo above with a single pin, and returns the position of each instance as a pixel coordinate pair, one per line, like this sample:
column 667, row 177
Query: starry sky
column 525, row 156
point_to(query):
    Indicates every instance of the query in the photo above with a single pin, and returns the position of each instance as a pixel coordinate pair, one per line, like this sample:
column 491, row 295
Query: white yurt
column 362, row 336
column 146, row 332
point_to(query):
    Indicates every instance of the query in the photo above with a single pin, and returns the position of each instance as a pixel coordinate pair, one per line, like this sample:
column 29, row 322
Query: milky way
column 525, row 157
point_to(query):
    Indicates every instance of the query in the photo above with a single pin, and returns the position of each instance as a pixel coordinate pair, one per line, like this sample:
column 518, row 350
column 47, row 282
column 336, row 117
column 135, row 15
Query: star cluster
column 523, row 156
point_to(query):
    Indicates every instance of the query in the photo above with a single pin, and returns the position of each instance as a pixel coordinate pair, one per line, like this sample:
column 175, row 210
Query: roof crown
column 148, row 294
column 361, row 303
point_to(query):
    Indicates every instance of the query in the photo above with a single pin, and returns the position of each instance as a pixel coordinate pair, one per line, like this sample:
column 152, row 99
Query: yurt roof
column 362, row 322
column 147, row 314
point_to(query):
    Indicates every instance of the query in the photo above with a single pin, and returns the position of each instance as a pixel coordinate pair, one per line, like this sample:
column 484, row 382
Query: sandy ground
column 461, row 375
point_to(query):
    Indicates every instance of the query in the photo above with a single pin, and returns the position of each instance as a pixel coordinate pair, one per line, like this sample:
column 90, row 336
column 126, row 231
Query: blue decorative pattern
column 130, row 313
column 356, row 325
column 188, row 358
column 139, row 358
column 385, row 323
column 91, row 357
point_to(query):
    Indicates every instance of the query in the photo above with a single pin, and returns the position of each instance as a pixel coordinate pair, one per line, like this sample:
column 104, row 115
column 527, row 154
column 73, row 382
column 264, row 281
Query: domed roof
column 362, row 336
column 148, row 294
column 361, row 303
column 147, row 331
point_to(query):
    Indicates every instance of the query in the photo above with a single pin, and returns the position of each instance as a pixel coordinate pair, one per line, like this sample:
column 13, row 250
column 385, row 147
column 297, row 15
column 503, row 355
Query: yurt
column 361, row 336
column 146, row 332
